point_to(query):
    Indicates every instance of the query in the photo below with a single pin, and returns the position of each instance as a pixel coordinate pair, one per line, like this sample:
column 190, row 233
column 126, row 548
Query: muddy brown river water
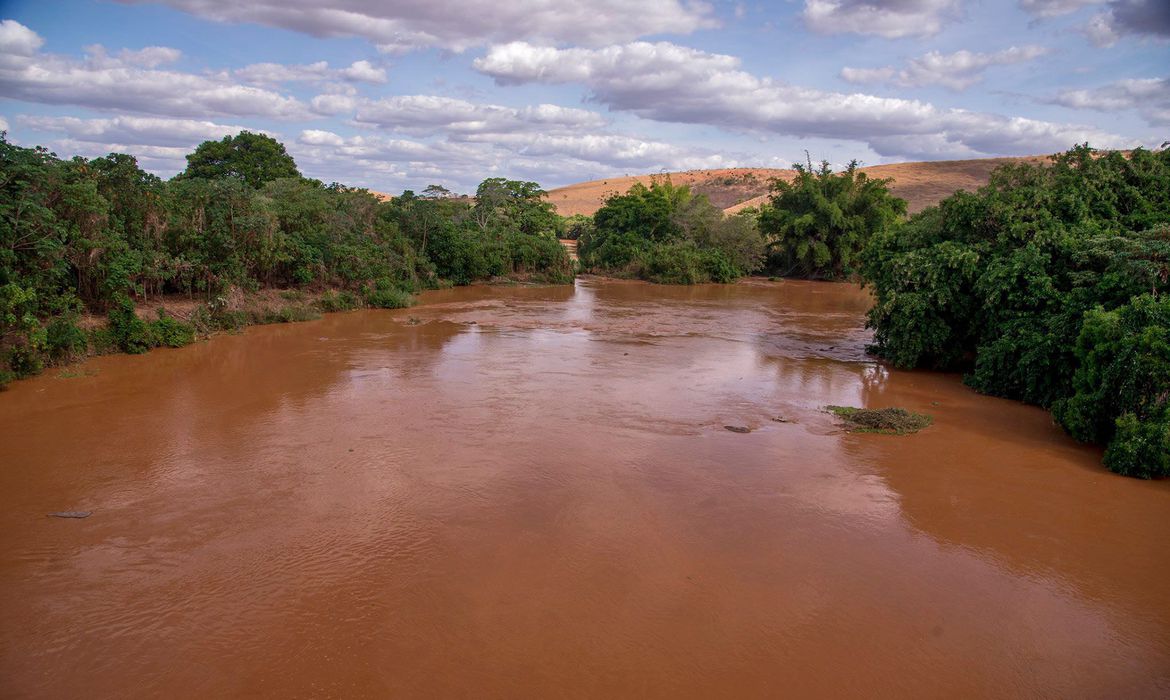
column 529, row 492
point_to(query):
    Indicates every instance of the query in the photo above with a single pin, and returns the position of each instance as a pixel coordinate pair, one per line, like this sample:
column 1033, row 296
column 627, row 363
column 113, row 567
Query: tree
column 1047, row 286
column 817, row 225
column 253, row 158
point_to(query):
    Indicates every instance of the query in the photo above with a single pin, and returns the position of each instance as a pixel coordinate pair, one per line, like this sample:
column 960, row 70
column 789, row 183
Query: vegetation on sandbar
column 886, row 421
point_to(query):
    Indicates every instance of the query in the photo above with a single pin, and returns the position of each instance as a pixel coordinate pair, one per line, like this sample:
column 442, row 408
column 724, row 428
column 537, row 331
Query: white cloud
column 141, row 131
column 461, row 24
column 277, row 73
column 463, row 163
column 127, row 82
column 1149, row 96
column 671, row 83
column 957, row 71
column 862, row 76
column 892, row 19
column 18, row 40
column 429, row 113
column 1142, row 18
column 364, row 71
column 1055, row 8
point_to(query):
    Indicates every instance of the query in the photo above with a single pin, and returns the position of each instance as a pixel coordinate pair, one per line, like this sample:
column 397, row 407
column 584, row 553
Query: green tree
column 1034, row 286
column 817, row 225
column 252, row 158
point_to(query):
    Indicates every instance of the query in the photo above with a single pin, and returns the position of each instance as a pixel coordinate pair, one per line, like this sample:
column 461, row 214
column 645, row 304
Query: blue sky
column 398, row 95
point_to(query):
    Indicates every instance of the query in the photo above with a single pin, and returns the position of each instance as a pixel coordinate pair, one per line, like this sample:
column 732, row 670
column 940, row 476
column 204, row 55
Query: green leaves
column 817, row 225
column 251, row 158
column 666, row 234
column 1048, row 284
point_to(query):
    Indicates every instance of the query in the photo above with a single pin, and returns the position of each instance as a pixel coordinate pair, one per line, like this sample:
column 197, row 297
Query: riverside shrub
column 1046, row 286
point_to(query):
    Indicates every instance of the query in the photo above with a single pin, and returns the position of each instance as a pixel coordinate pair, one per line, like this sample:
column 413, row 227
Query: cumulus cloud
column 892, row 19
column 957, row 71
column 277, row 73
column 1142, row 18
column 18, row 40
column 671, row 83
column 461, row 24
column 128, row 81
column 1149, row 96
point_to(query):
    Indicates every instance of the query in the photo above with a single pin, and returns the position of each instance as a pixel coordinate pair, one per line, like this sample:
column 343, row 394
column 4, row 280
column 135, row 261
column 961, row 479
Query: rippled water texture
column 530, row 493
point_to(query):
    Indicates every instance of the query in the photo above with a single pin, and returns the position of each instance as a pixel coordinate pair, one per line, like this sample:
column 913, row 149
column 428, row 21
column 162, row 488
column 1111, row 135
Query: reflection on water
column 529, row 491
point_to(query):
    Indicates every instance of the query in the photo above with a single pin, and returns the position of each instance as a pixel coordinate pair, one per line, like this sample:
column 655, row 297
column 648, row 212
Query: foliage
column 1035, row 286
column 384, row 295
column 886, row 421
column 64, row 341
column 171, row 332
column 101, row 235
column 131, row 333
column 817, row 225
column 1121, row 386
column 665, row 234
column 578, row 226
column 253, row 159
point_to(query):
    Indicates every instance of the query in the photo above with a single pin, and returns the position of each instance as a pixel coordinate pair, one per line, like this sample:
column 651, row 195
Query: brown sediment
column 529, row 492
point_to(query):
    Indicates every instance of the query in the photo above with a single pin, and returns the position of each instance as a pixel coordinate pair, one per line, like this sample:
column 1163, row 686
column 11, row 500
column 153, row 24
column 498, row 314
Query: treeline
column 813, row 227
column 98, row 235
column 1048, row 286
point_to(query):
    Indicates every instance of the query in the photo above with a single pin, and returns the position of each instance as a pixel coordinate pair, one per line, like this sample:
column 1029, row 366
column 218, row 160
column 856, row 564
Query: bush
column 131, row 333
column 337, row 301
column 685, row 263
column 384, row 295
column 171, row 332
column 64, row 341
column 24, row 361
column 285, row 314
column 101, row 341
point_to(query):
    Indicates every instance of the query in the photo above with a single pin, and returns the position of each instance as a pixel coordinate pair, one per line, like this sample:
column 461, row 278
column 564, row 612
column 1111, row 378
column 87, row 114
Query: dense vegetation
column 664, row 233
column 1048, row 286
column 98, row 235
column 817, row 225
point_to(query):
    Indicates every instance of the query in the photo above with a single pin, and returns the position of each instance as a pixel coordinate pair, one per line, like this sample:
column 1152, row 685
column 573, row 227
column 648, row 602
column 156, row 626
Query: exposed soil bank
column 529, row 491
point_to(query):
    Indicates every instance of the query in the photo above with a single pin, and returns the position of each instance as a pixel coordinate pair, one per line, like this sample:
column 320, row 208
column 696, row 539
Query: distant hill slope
column 920, row 184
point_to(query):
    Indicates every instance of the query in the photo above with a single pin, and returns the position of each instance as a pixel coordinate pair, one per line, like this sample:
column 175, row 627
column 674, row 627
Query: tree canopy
column 817, row 225
column 664, row 233
column 94, row 235
column 252, row 158
column 1046, row 286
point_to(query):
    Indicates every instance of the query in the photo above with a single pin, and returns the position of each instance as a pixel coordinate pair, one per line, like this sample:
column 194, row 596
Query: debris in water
column 737, row 428
column 71, row 514
column 887, row 421
column 781, row 419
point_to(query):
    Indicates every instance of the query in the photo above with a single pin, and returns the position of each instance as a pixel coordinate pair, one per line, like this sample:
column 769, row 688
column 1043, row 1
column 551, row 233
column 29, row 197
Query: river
column 529, row 492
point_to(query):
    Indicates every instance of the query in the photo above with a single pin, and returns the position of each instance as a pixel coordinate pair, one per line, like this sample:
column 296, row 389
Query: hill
column 920, row 184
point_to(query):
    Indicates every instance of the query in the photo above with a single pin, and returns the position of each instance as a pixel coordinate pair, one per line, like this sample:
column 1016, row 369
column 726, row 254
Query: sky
column 401, row 94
